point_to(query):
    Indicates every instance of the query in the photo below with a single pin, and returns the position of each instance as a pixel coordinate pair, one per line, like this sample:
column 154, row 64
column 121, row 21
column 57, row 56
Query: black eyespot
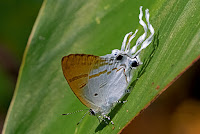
column 119, row 57
column 134, row 64
column 95, row 94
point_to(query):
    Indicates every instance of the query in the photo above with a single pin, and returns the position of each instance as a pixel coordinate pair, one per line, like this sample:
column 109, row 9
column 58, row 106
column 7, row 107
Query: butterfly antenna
column 75, row 112
column 82, row 117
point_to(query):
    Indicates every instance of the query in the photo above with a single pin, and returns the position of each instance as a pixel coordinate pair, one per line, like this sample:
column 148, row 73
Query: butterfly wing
column 76, row 69
column 96, row 81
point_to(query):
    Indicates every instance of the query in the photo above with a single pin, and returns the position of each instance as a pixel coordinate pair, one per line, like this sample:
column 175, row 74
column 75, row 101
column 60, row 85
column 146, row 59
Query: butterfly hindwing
column 76, row 69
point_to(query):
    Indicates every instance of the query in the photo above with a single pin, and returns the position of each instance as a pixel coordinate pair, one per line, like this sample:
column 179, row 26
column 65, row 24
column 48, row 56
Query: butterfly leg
column 100, row 118
column 107, row 117
column 121, row 101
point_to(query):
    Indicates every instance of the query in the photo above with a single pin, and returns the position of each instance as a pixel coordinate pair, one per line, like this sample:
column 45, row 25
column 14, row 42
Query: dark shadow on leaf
column 148, row 59
column 139, row 74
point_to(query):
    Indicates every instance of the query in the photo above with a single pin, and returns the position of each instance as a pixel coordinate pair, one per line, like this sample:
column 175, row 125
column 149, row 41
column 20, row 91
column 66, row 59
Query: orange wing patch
column 76, row 68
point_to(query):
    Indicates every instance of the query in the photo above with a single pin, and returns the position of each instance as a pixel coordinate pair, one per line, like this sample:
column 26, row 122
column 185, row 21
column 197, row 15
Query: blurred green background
column 17, row 19
column 176, row 110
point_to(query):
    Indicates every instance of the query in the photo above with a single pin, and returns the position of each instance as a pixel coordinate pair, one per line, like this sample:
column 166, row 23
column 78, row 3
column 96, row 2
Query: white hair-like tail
column 142, row 40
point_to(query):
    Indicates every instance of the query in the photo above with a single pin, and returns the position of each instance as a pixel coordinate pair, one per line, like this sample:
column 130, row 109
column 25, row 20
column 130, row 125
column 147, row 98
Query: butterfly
column 99, row 82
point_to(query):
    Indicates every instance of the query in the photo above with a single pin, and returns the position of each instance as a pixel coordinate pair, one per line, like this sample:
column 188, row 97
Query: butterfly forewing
column 76, row 69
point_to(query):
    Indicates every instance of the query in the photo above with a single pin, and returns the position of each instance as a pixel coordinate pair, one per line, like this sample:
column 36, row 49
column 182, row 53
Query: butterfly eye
column 119, row 57
column 134, row 64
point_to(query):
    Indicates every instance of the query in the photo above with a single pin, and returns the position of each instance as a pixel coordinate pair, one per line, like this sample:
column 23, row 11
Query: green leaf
column 97, row 27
